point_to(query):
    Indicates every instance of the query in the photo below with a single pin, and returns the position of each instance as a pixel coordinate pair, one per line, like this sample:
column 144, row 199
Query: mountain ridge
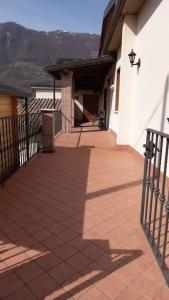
column 25, row 52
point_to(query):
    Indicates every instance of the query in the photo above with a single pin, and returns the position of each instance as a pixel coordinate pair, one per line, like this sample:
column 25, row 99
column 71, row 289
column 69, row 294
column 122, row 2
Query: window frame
column 117, row 90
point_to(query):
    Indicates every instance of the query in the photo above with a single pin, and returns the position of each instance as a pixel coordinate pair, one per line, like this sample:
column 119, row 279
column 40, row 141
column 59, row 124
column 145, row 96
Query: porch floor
column 87, row 126
column 69, row 226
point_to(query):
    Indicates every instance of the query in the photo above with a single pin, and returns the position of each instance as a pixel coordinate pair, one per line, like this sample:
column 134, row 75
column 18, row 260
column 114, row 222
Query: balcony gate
column 155, row 197
column 20, row 139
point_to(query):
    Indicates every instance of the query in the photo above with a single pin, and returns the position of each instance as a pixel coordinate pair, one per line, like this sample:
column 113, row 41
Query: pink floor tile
column 69, row 226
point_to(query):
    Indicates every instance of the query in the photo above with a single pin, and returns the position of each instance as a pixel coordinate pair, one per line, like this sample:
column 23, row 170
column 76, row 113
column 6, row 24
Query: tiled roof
column 12, row 91
column 36, row 104
column 76, row 63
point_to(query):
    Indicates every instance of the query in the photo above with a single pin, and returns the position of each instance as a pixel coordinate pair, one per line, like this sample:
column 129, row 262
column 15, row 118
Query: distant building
column 8, row 110
column 8, row 99
column 46, row 92
column 82, row 89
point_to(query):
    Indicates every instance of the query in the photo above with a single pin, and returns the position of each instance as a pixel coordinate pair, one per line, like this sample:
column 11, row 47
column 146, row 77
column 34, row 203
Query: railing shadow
column 42, row 210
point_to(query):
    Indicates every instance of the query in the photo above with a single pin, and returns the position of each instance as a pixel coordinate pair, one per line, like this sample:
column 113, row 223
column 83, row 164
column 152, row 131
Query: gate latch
column 150, row 147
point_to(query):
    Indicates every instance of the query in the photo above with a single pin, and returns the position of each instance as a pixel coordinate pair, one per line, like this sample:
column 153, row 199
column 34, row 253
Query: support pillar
column 66, row 104
column 48, row 130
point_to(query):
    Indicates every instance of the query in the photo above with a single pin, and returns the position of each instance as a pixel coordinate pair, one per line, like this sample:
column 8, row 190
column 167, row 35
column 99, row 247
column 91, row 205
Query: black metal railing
column 20, row 139
column 155, row 197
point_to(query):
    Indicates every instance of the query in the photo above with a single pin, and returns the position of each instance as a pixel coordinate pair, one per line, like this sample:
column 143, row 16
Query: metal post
column 1, row 155
column 27, row 128
column 54, row 94
column 144, row 178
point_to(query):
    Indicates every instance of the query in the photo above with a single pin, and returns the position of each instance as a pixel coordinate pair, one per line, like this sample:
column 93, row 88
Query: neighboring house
column 44, row 97
column 42, row 92
column 8, row 129
column 8, row 99
column 36, row 104
column 82, row 84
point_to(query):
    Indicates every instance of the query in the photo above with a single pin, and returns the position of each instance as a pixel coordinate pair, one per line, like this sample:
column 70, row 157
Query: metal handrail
column 158, row 132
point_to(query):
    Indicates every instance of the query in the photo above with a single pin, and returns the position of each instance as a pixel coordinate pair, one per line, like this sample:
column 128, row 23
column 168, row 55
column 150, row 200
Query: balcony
column 69, row 226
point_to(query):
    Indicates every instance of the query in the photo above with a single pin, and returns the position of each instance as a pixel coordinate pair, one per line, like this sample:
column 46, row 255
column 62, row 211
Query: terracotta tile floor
column 69, row 226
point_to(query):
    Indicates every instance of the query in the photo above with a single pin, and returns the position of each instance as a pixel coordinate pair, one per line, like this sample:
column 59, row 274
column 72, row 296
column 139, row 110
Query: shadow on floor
column 43, row 249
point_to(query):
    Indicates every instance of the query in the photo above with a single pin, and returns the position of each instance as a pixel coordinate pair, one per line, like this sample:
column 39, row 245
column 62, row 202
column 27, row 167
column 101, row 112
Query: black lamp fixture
column 132, row 56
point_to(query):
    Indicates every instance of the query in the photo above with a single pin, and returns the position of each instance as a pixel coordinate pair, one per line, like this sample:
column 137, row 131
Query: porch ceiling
column 87, row 74
column 91, row 77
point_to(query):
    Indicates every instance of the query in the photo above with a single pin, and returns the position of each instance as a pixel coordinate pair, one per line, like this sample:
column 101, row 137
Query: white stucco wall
column 79, row 102
column 126, row 79
column 144, row 96
column 114, row 116
column 151, row 84
column 47, row 93
column 78, row 107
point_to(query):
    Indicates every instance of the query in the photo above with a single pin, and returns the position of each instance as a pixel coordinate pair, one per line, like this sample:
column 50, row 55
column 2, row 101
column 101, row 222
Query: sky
column 68, row 15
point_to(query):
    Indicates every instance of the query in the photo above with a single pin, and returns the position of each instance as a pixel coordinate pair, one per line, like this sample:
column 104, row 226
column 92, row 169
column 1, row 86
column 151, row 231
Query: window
column 117, row 90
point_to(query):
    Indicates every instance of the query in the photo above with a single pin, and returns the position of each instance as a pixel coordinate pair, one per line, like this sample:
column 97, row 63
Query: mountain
column 24, row 52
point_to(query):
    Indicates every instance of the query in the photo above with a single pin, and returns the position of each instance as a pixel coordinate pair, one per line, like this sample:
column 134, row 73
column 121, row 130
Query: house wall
column 114, row 116
column 144, row 97
column 7, row 105
column 78, row 102
column 7, row 108
column 151, row 84
column 46, row 93
column 120, row 121
column 67, row 103
column 126, row 80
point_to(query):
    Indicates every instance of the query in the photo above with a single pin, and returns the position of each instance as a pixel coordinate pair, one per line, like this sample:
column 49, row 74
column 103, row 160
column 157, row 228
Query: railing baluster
column 153, row 202
column 10, row 142
column 162, row 196
column 166, row 233
column 19, row 141
column 148, row 181
column 7, row 146
column 144, row 179
column 21, row 125
column 16, row 142
column 157, row 190
column 1, row 153
column 4, row 148
column 152, row 184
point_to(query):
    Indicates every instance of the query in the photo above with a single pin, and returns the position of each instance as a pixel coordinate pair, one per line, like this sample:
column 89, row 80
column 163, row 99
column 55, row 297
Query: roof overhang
column 87, row 74
column 50, row 88
column 113, row 23
column 79, row 67
column 12, row 91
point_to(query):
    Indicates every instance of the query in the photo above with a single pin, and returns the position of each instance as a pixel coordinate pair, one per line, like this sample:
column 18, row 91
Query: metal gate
column 155, row 197
column 20, row 139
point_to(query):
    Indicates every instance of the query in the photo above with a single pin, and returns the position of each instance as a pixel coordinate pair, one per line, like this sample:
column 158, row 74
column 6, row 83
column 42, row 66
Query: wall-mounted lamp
column 132, row 56
column 112, row 87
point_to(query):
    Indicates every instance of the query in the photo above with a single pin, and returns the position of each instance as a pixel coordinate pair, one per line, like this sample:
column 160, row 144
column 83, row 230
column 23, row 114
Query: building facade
column 8, row 100
column 140, row 94
column 46, row 92
column 132, row 97
column 82, row 84
column 9, row 156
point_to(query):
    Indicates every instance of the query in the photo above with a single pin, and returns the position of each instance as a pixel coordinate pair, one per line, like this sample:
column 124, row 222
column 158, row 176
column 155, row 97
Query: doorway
column 90, row 107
